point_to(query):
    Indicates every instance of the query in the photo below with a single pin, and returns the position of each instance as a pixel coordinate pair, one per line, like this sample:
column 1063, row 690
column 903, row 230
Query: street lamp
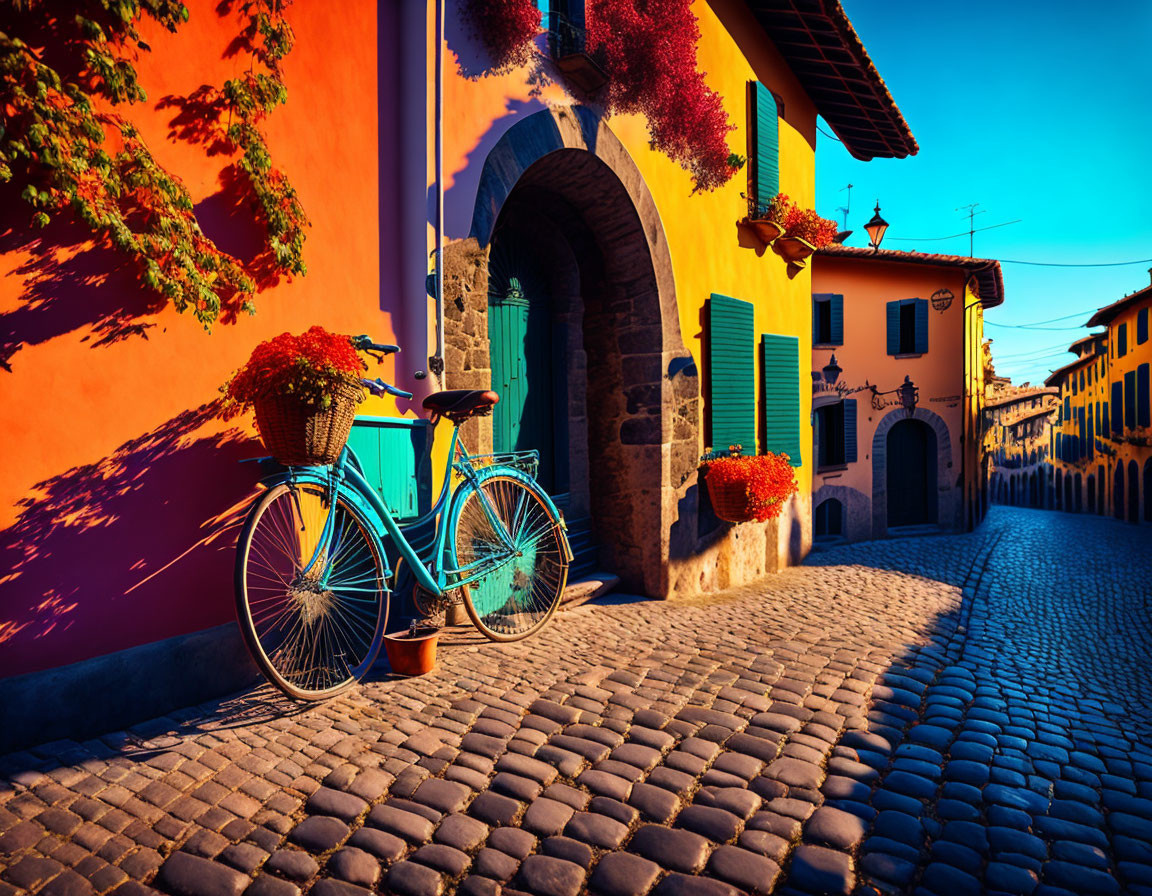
column 832, row 371
column 909, row 395
column 876, row 228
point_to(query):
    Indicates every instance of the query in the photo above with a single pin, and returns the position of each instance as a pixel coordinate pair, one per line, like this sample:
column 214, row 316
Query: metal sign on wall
column 942, row 299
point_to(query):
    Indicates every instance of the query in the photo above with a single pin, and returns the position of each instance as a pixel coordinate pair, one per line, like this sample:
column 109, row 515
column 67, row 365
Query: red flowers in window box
column 743, row 489
column 505, row 28
column 304, row 390
column 799, row 222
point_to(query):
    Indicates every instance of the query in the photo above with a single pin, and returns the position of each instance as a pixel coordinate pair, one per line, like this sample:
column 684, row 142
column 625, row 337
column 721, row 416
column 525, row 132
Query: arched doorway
column 1102, row 490
column 1148, row 490
column 911, row 461
column 1078, row 493
column 1133, row 492
column 829, row 519
column 563, row 298
column 1118, row 492
column 1068, row 507
column 1091, row 492
column 1033, row 492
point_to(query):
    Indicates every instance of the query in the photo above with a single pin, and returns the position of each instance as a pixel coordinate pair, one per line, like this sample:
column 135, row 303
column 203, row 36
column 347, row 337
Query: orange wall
column 118, row 493
column 867, row 287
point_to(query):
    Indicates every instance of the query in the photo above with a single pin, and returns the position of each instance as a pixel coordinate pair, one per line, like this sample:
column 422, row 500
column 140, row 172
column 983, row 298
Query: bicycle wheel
column 520, row 595
column 313, row 635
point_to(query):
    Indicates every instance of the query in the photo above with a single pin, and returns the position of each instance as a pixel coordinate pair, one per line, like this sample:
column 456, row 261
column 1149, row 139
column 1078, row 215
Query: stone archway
column 561, row 183
column 857, row 514
column 949, row 507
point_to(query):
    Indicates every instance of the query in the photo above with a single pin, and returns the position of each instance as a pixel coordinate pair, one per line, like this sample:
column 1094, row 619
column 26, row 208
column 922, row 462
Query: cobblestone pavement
column 942, row 715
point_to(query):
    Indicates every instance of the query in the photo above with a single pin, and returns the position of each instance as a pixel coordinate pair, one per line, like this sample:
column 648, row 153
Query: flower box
column 744, row 489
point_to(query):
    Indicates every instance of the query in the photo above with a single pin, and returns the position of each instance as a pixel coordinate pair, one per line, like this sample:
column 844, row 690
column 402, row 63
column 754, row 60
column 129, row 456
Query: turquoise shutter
column 732, row 373
column 1141, row 326
column 765, row 168
column 850, row 431
column 837, row 320
column 1117, row 407
column 1143, row 411
column 921, row 326
column 893, row 311
column 1130, row 399
column 781, row 364
column 1122, row 341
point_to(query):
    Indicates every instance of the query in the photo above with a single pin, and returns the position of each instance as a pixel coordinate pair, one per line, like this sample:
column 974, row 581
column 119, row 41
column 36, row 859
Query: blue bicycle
column 312, row 569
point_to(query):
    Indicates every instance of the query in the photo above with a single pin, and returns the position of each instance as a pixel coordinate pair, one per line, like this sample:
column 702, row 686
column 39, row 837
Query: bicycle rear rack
column 524, row 461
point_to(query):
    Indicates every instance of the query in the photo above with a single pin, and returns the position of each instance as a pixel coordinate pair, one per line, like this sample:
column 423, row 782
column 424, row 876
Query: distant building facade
column 1017, row 421
column 898, row 391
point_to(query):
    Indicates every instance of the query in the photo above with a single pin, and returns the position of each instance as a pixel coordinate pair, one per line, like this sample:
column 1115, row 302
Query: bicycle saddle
column 460, row 404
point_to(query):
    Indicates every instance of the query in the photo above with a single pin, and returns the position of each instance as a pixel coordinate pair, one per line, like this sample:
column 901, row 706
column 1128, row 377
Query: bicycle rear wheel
column 519, row 596
column 312, row 635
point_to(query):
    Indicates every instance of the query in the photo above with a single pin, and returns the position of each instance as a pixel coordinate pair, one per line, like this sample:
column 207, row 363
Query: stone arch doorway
column 1118, row 492
column 935, row 451
column 566, row 281
column 1133, row 492
column 912, row 474
column 1091, row 492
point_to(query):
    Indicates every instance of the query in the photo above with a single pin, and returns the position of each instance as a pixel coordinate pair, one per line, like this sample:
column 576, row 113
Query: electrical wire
column 990, row 323
column 830, row 136
column 1051, row 349
column 1060, row 264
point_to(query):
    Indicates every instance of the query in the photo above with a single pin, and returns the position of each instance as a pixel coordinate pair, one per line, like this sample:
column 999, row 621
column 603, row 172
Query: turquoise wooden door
column 527, row 370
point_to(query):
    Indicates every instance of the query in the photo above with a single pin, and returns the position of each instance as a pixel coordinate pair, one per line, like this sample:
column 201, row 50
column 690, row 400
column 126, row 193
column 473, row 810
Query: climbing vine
column 647, row 50
column 69, row 151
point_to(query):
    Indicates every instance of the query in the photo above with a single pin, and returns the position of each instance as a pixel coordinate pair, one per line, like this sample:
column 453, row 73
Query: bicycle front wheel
column 522, row 592
column 312, row 634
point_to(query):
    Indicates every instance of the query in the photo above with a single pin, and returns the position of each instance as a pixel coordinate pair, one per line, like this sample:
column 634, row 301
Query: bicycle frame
column 347, row 469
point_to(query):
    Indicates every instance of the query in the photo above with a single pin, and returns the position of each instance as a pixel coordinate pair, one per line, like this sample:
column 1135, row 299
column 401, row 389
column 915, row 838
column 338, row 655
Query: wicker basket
column 730, row 501
column 297, row 434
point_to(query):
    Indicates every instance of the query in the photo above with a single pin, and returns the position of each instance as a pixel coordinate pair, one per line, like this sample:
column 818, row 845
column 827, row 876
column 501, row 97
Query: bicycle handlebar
column 380, row 388
column 365, row 344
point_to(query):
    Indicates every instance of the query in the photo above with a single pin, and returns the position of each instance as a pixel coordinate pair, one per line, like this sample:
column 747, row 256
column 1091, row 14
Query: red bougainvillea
column 308, row 366
column 505, row 28
column 648, row 50
column 798, row 221
column 750, row 488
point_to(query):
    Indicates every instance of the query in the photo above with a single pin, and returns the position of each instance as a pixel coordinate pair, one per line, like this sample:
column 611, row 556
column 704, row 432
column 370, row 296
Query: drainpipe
column 436, row 361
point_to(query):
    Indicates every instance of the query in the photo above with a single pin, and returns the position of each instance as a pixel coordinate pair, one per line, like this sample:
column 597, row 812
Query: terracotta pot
column 793, row 249
column 411, row 654
column 767, row 229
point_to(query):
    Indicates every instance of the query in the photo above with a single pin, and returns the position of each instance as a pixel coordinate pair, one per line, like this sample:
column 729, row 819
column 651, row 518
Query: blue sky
column 1036, row 110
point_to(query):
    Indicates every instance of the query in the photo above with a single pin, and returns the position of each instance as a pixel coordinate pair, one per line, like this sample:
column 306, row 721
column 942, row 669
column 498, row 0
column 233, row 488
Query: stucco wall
column 120, row 493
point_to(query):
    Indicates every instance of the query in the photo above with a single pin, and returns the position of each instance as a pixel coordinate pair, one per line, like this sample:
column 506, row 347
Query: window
column 1122, row 340
column 829, row 518
column 1141, row 326
column 1143, row 411
column 827, row 319
column 907, row 327
column 836, row 434
column 1129, row 399
column 781, row 389
column 731, row 373
column 764, row 144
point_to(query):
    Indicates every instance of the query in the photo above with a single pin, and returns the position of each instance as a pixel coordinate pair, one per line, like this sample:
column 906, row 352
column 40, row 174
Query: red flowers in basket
column 750, row 488
column 312, row 368
column 798, row 221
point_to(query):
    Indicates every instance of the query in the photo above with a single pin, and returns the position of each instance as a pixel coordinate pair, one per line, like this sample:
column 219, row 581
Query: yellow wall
column 703, row 238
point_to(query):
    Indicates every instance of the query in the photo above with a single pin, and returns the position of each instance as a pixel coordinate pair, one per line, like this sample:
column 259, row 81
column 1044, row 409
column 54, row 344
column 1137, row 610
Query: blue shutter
column 781, row 358
column 850, row 430
column 921, row 326
column 1143, row 411
column 1141, row 326
column 893, row 311
column 1122, row 341
column 837, row 319
column 1117, row 407
column 765, row 168
column 732, row 373
column 1130, row 399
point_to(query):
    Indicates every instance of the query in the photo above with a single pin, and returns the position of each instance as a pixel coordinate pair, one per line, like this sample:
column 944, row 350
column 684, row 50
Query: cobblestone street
column 943, row 715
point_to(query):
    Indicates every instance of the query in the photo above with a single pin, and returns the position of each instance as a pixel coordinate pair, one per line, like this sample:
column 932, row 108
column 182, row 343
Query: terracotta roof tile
column 989, row 277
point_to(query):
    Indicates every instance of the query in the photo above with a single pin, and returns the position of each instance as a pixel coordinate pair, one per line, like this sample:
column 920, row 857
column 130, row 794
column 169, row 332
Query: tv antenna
column 847, row 204
column 972, row 213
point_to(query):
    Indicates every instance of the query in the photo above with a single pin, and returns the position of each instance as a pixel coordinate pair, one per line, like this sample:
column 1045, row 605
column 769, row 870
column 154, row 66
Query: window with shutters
column 1141, row 326
column 731, row 373
column 829, row 519
column 827, row 319
column 1143, row 410
column 907, row 327
column 781, row 388
column 836, row 434
column 1130, row 399
column 1121, row 340
column 764, row 145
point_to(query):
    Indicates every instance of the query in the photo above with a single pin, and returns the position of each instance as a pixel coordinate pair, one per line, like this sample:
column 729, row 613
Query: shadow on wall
column 99, row 554
column 69, row 284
